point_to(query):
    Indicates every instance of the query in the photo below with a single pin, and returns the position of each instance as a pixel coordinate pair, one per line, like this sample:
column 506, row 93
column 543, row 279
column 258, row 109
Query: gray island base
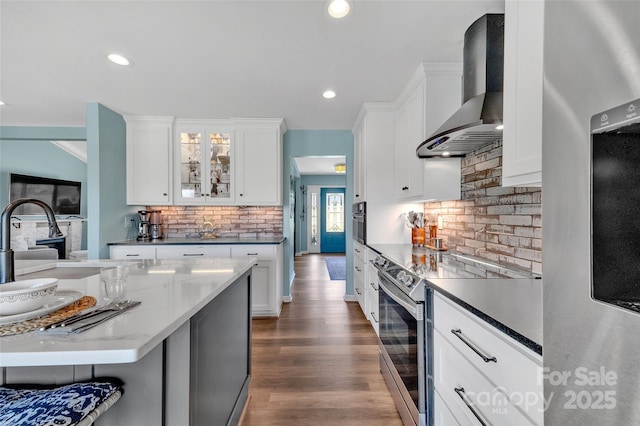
column 184, row 354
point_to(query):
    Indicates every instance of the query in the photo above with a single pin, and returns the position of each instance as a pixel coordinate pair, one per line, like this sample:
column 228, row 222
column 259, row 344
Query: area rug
column 337, row 267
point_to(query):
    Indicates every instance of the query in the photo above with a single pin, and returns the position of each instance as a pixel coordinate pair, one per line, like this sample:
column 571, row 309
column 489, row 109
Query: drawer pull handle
column 373, row 315
column 252, row 254
column 461, row 394
column 133, row 254
column 357, row 251
column 193, row 254
column 458, row 333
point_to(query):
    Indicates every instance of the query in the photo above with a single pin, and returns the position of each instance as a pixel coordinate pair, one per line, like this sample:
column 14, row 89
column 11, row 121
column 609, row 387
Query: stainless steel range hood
column 474, row 124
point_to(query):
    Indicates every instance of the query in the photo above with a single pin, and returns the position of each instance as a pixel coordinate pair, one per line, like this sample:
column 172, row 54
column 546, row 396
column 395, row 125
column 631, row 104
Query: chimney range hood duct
column 474, row 124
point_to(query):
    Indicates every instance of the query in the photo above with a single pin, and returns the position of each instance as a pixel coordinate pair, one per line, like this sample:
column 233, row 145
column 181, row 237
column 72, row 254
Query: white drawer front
column 192, row 251
column 359, row 251
column 442, row 415
column 457, row 381
column 261, row 251
column 132, row 252
column 516, row 368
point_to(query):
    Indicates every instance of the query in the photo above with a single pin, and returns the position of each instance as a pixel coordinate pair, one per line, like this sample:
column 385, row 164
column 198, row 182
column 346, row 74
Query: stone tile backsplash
column 501, row 224
column 229, row 221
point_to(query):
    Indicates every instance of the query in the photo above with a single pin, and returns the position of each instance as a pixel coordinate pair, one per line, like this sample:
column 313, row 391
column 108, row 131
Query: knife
column 92, row 319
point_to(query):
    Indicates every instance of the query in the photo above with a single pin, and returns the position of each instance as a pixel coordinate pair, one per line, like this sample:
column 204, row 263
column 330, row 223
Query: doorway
column 332, row 225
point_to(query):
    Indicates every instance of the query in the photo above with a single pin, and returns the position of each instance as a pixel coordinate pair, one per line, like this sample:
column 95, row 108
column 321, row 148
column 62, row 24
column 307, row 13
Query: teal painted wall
column 302, row 218
column 305, row 143
column 106, row 179
column 28, row 150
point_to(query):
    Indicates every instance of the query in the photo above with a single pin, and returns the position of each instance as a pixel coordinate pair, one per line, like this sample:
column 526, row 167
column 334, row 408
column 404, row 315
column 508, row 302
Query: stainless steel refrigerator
column 591, row 348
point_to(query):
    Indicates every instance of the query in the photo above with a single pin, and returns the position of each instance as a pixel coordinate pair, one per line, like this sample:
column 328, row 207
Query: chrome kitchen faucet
column 6, row 254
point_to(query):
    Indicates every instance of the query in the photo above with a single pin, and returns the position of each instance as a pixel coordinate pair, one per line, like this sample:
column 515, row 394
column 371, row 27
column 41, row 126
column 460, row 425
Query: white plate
column 61, row 299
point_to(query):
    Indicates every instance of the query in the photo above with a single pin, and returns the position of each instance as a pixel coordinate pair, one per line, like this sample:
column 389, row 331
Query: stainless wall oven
column 406, row 328
column 359, row 214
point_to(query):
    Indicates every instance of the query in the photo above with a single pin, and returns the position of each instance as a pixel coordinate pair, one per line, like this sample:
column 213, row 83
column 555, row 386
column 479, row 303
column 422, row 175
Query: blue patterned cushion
column 65, row 405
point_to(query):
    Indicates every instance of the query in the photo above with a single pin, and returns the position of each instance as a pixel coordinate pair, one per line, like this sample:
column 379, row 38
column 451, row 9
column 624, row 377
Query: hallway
column 318, row 363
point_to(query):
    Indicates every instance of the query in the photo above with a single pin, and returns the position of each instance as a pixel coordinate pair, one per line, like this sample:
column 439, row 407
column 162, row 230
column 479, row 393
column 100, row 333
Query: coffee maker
column 155, row 224
column 143, row 228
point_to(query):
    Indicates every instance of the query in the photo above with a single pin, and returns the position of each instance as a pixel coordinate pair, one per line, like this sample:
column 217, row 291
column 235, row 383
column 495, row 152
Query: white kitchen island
column 184, row 353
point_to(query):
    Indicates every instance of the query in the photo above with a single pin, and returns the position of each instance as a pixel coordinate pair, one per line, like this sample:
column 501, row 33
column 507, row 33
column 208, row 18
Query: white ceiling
column 219, row 59
column 319, row 165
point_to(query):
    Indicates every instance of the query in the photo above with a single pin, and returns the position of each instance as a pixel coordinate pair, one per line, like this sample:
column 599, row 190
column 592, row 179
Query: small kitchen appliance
column 359, row 215
column 155, row 224
column 143, row 227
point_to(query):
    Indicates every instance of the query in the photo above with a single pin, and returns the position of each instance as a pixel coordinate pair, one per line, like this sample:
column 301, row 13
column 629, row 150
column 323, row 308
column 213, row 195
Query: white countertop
column 171, row 292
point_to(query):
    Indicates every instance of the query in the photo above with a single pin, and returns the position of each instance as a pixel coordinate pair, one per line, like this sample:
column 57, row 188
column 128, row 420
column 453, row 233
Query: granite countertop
column 198, row 241
column 508, row 299
column 171, row 292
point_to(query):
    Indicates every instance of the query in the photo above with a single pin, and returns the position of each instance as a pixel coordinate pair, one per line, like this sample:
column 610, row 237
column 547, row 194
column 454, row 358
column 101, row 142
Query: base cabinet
column 267, row 277
column 372, row 292
column 481, row 373
column 267, row 271
column 359, row 275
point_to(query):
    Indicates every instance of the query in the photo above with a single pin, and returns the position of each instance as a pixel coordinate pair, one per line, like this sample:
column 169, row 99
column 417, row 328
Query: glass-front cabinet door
column 204, row 169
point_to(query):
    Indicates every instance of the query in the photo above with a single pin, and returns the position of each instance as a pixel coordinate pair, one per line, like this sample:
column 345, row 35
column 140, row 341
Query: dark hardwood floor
column 318, row 363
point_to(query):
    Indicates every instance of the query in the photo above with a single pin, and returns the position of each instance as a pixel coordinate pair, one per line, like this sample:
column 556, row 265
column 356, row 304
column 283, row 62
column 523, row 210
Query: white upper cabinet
column 149, row 160
column 259, row 161
column 523, row 54
column 204, row 163
column 432, row 95
column 228, row 162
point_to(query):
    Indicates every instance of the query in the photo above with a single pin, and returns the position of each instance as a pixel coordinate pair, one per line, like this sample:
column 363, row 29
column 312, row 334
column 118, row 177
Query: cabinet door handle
column 458, row 333
column 133, row 254
column 164, row 194
column 461, row 394
column 373, row 315
column 241, row 195
column 358, row 269
column 252, row 254
column 357, row 251
column 373, row 286
column 358, row 291
column 357, row 195
column 193, row 254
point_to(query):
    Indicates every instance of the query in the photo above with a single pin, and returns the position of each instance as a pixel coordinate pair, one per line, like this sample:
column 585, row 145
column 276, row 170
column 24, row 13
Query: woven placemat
column 63, row 313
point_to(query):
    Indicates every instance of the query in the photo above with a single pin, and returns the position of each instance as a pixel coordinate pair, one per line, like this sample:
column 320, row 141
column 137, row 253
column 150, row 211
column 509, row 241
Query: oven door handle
column 411, row 308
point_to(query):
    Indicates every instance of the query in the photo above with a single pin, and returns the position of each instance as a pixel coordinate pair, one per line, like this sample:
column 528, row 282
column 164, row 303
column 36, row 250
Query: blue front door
column 332, row 235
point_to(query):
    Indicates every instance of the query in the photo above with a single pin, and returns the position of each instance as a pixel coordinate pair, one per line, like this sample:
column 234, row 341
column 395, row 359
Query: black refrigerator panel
column 615, row 207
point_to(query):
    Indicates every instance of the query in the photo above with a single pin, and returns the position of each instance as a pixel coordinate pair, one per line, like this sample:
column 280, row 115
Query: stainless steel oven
column 359, row 214
column 405, row 341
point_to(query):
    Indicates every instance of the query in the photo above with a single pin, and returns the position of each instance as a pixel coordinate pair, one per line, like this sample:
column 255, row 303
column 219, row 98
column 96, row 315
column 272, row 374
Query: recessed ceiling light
column 340, row 168
column 329, row 94
column 339, row 8
column 1, row 103
column 446, row 154
column 500, row 127
column 119, row 59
